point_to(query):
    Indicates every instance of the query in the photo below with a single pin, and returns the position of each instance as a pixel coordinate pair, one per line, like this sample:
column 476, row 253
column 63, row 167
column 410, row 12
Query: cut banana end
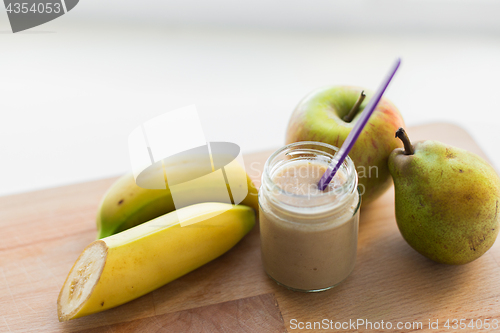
column 81, row 280
column 134, row 262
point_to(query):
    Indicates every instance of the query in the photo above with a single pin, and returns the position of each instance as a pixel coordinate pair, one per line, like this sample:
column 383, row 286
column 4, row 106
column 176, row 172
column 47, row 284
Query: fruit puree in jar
column 308, row 237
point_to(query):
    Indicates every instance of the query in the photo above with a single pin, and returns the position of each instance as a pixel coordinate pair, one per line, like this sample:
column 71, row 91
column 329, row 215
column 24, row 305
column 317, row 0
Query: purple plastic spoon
column 340, row 156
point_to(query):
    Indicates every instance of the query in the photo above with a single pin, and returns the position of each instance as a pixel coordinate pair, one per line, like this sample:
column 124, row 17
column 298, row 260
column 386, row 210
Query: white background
column 73, row 89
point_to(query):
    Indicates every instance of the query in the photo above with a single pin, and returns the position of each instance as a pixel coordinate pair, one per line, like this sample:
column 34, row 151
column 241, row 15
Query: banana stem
column 401, row 134
column 350, row 116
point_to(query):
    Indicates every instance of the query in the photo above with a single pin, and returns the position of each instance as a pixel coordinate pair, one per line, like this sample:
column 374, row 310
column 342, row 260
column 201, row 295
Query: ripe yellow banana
column 122, row 267
column 126, row 205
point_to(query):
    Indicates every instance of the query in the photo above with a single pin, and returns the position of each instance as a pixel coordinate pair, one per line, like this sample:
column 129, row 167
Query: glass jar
column 308, row 239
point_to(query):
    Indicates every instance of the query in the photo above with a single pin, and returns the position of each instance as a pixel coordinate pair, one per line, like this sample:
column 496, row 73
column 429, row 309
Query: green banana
column 125, row 266
column 126, row 205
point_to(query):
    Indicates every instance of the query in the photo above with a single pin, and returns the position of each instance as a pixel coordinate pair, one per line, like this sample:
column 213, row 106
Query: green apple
column 320, row 117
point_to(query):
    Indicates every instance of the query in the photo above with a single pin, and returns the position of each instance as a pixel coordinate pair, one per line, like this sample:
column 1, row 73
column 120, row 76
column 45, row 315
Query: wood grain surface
column 42, row 233
column 248, row 315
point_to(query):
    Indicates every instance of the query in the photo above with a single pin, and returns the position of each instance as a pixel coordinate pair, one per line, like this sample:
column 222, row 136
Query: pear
column 447, row 200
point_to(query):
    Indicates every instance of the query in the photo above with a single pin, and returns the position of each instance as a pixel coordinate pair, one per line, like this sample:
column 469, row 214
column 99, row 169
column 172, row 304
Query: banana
column 126, row 205
column 125, row 266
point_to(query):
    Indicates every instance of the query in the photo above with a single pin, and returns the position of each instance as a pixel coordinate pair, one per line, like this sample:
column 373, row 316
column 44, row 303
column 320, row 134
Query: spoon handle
column 356, row 131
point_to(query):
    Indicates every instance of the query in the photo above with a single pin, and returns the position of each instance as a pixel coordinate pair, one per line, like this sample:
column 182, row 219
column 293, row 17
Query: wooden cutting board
column 42, row 234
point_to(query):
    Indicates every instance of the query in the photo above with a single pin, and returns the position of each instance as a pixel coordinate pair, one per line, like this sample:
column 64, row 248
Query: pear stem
column 401, row 134
column 350, row 116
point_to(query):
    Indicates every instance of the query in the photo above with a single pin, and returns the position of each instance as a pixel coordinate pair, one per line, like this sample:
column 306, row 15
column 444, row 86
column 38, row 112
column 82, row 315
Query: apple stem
column 350, row 116
column 401, row 134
